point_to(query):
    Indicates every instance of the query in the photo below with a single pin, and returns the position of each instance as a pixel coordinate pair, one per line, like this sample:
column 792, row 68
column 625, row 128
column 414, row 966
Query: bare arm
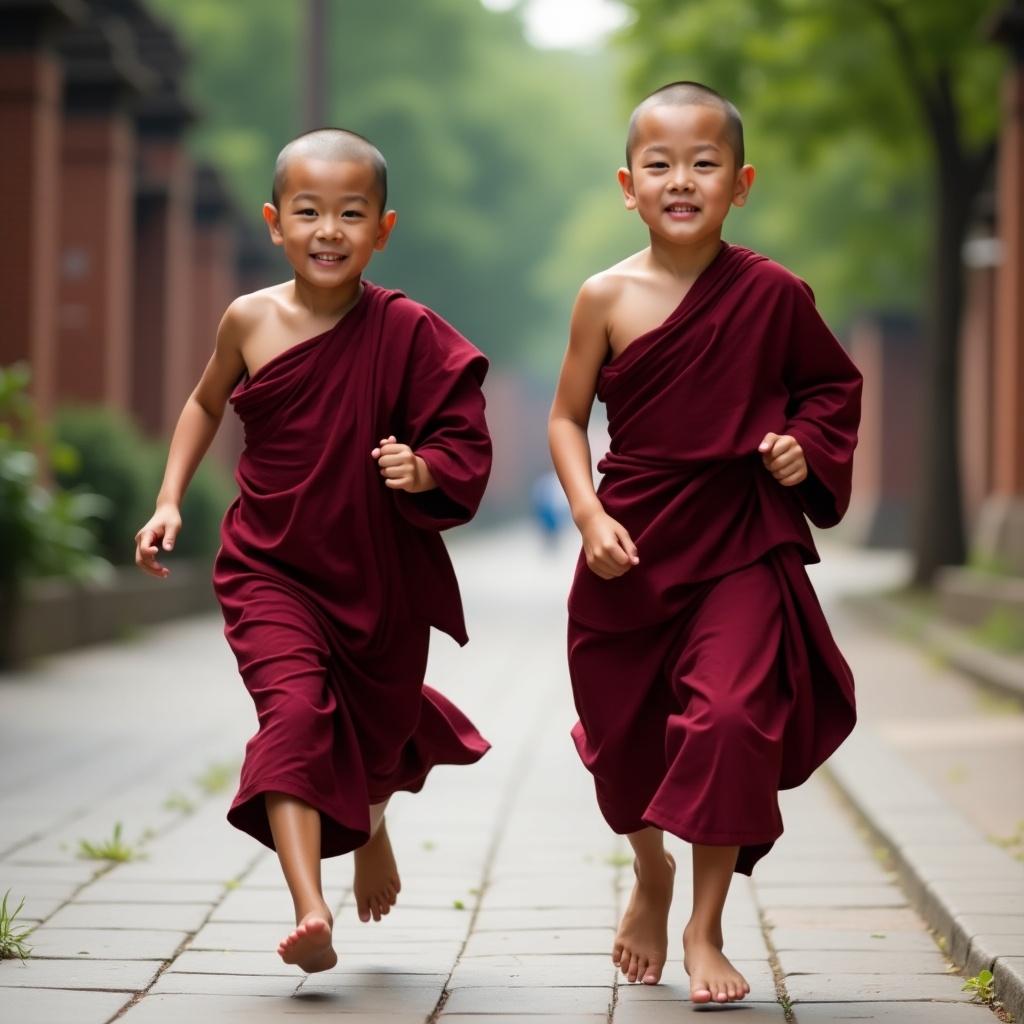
column 608, row 547
column 196, row 428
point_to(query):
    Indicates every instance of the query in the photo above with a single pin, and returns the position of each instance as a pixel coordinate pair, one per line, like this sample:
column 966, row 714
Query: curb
column 968, row 890
column 1000, row 672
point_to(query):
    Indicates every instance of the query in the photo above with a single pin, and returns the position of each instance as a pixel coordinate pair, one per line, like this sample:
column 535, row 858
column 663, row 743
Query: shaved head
column 683, row 94
column 335, row 144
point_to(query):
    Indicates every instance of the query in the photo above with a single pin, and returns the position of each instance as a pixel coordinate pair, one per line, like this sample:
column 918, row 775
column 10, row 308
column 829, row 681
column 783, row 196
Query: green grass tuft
column 12, row 940
column 113, row 849
column 218, row 776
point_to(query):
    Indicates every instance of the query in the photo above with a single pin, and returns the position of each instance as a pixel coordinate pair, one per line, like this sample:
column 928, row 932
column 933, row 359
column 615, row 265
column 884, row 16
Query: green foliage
column 43, row 531
column 113, row 849
column 12, row 939
column 1002, row 630
column 980, row 987
column 208, row 495
column 117, row 461
column 845, row 164
column 179, row 802
column 491, row 145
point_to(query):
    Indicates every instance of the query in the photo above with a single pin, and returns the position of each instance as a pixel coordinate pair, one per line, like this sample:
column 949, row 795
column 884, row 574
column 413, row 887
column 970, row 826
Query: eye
column 706, row 163
column 353, row 214
column 656, row 165
column 307, row 212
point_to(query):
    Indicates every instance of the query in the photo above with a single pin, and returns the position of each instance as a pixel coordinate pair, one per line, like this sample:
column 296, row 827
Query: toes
column 634, row 966
column 700, row 994
column 617, row 953
column 652, row 973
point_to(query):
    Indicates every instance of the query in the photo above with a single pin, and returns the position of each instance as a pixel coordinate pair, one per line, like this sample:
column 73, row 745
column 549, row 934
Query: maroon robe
column 684, row 722
column 329, row 581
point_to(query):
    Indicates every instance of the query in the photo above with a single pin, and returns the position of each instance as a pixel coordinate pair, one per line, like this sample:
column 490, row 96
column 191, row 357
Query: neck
column 327, row 302
column 684, row 262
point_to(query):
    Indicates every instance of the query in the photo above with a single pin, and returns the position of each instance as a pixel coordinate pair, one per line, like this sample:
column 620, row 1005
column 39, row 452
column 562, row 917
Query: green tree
column 912, row 86
column 491, row 144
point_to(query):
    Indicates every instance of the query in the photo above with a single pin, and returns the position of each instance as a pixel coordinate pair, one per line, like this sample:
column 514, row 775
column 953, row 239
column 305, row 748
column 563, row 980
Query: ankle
column 654, row 869
column 317, row 908
column 699, row 932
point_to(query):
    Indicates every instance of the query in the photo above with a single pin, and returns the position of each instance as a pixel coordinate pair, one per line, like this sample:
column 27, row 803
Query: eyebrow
column 352, row 197
column 658, row 148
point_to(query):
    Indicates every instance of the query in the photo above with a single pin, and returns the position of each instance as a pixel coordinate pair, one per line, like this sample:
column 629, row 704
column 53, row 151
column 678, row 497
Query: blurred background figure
column 550, row 507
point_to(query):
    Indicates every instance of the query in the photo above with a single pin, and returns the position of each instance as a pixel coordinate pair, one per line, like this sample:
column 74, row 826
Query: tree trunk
column 939, row 537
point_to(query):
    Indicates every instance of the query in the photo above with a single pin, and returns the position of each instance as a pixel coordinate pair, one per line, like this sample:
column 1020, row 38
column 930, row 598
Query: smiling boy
column 364, row 437
column 703, row 671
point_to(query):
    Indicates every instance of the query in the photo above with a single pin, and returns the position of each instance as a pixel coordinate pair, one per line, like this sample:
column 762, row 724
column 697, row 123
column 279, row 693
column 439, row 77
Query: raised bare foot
column 712, row 977
column 309, row 946
column 641, row 944
column 376, row 884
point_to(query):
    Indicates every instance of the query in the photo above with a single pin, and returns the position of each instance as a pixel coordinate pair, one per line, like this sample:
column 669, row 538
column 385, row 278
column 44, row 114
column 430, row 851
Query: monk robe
column 706, row 677
column 329, row 581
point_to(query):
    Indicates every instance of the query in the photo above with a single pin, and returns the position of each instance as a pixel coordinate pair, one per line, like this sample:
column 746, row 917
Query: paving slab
column 174, row 1009
column 820, row 961
column 672, row 1011
column 147, row 916
column 105, row 944
column 57, row 1006
column 529, row 1000
column 824, row 939
column 112, row 975
column 893, row 1013
column 866, row 988
column 572, row 940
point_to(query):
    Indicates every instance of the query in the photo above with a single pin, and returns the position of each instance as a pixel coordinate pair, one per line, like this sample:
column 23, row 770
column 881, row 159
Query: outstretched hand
column 783, row 458
column 608, row 547
column 161, row 531
column 401, row 467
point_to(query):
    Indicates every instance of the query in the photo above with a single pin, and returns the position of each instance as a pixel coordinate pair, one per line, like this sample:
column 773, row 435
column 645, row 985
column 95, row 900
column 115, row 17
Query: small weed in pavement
column 12, row 940
column 179, row 802
column 217, row 777
column 619, row 860
column 428, row 845
column 113, row 849
column 980, row 987
column 458, row 905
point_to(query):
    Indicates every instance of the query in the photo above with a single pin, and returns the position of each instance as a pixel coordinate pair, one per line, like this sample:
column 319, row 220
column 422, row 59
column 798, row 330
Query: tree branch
column 919, row 83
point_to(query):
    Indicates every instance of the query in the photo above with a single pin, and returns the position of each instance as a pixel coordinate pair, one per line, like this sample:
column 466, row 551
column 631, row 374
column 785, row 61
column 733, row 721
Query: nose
column 681, row 181
column 330, row 227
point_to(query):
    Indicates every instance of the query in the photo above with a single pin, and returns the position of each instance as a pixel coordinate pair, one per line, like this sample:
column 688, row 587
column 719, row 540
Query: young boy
column 364, row 437
column 702, row 668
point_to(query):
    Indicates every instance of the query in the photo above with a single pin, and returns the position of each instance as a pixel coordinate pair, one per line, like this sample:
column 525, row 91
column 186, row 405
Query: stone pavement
column 512, row 886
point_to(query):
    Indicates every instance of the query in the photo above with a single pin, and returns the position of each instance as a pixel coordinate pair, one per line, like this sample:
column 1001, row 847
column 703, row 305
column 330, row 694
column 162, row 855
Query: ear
column 625, row 176
column 273, row 221
column 384, row 229
column 744, row 182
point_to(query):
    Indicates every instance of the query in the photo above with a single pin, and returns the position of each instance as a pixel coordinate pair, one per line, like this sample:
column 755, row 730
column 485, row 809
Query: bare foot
column 309, row 946
column 712, row 977
column 376, row 884
column 641, row 944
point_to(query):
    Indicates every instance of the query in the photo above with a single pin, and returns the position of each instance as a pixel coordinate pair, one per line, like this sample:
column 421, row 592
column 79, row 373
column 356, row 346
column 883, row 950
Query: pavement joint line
column 166, row 965
column 781, row 992
column 518, row 774
column 929, row 897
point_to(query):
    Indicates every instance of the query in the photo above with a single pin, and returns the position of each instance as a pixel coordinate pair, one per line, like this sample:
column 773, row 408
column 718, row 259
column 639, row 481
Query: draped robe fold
column 329, row 581
column 685, row 721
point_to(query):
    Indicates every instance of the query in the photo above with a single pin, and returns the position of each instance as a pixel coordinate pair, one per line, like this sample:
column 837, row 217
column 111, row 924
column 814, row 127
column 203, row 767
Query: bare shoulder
column 602, row 291
column 247, row 312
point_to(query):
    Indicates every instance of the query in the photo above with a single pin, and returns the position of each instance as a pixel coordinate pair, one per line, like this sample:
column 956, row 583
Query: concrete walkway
column 512, row 885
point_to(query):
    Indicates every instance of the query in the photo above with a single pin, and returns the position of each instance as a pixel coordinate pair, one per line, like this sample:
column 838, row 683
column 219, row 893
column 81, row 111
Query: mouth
column 327, row 259
column 682, row 210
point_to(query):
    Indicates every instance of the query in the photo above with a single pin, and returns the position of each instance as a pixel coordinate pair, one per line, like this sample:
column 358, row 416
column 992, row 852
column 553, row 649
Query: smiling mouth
column 682, row 208
column 327, row 257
